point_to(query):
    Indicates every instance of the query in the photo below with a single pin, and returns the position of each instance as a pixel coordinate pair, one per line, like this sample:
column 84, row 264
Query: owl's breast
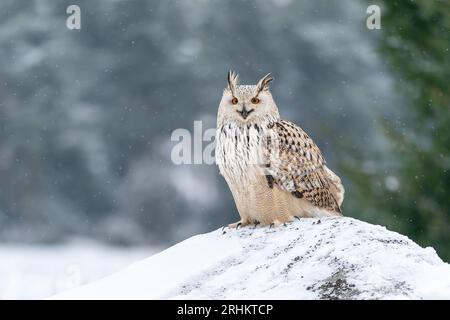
column 238, row 153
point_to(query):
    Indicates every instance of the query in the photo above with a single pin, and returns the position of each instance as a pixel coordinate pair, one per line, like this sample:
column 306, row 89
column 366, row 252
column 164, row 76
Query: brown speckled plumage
column 300, row 168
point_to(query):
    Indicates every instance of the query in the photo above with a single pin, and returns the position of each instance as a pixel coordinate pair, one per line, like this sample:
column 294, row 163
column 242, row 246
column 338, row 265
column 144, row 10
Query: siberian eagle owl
column 274, row 170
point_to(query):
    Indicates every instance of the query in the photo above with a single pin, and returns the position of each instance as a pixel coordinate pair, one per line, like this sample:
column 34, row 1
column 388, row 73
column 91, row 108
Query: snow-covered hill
column 333, row 258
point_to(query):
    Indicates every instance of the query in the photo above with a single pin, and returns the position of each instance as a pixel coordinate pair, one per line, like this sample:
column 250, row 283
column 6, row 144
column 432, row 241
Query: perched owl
column 274, row 170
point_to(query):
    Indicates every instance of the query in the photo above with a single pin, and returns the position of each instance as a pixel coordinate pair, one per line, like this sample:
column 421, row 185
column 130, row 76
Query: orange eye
column 234, row 100
column 255, row 100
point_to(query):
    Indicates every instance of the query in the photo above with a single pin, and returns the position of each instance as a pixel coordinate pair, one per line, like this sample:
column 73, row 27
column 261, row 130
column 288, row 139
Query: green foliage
column 415, row 39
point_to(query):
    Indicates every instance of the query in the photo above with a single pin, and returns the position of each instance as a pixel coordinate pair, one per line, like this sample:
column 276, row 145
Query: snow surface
column 331, row 258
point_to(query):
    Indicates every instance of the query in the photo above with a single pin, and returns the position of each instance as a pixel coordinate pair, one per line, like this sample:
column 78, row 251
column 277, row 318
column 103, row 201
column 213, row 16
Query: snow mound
column 332, row 258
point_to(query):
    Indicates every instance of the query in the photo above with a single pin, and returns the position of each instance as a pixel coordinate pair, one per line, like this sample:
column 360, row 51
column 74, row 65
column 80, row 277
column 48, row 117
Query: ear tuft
column 233, row 81
column 263, row 84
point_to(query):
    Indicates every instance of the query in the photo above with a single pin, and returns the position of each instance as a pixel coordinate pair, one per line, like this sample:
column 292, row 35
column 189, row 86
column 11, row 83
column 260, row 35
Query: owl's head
column 244, row 104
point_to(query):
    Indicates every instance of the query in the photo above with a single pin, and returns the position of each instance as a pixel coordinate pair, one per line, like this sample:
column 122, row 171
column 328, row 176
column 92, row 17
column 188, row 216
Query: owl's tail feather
column 337, row 188
column 317, row 212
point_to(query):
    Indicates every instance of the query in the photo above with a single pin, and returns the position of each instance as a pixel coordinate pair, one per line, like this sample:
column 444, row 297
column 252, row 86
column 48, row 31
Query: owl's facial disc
column 243, row 104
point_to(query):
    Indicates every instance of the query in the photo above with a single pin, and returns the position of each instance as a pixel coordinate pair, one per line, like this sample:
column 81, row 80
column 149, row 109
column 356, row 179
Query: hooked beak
column 244, row 112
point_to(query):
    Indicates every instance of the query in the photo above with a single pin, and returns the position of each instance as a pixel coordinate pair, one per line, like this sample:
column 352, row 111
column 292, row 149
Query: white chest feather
column 239, row 152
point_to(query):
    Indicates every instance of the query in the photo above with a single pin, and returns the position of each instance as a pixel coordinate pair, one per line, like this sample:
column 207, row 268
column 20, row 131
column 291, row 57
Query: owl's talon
column 237, row 224
column 272, row 225
column 256, row 223
column 297, row 217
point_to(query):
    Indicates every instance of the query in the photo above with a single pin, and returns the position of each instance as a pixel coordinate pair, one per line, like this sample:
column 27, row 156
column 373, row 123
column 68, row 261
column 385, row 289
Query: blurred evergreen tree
column 414, row 195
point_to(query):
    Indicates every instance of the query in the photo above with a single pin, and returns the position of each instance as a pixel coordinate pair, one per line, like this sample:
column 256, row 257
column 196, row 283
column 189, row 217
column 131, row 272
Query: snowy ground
column 334, row 258
column 37, row 272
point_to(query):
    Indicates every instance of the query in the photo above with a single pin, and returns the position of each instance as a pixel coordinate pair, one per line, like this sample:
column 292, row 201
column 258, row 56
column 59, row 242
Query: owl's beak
column 244, row 112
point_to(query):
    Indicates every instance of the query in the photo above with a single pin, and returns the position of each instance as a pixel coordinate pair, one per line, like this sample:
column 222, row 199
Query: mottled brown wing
column 294, row 163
